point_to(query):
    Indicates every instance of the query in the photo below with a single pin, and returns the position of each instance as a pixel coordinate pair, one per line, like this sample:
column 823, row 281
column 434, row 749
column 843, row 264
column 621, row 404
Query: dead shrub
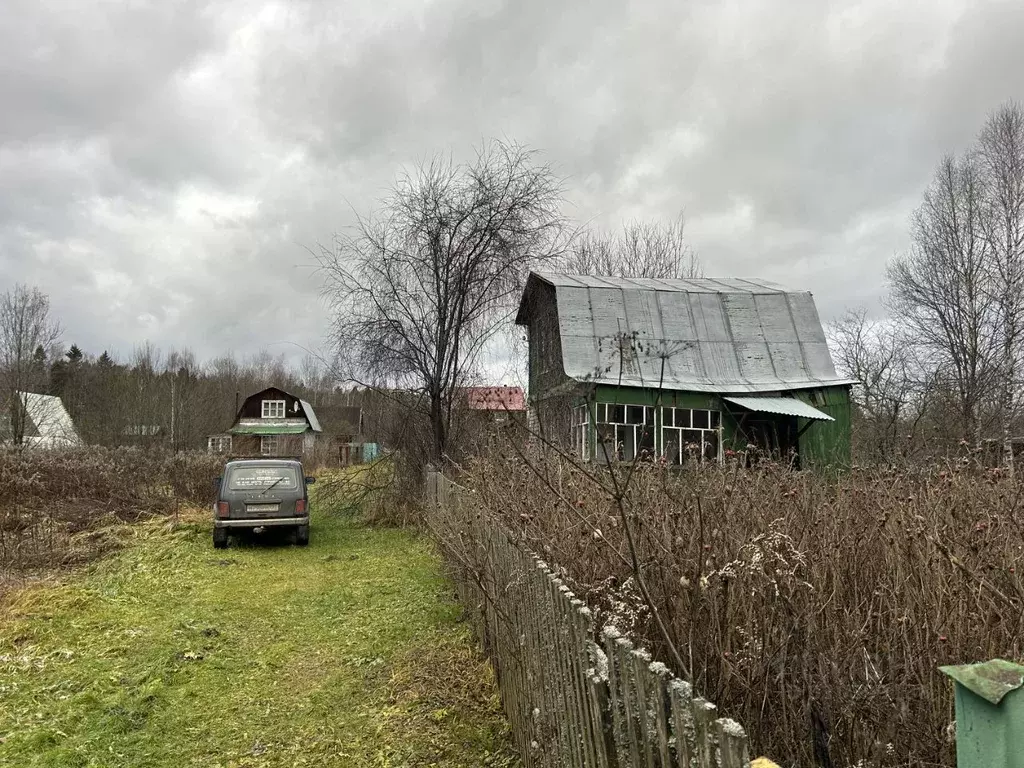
column 48, row 498
column 806, row 607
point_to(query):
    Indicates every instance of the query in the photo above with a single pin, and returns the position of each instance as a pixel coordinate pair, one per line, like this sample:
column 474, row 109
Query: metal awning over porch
column 784, row 406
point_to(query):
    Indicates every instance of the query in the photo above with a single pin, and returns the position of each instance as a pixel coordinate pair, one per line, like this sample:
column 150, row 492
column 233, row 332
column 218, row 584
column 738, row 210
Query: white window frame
column 629, row 428
column 274, row 409
column 581, row 431
column 671, row 416
column 270, row 445
column 219, row 444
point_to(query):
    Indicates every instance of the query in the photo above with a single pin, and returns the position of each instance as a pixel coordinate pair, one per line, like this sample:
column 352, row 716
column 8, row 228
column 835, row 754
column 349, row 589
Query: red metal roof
column 496, row 398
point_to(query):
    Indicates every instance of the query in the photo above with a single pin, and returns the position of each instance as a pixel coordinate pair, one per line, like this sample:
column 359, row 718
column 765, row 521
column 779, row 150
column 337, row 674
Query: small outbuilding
column 44, row 423
column 624, row 368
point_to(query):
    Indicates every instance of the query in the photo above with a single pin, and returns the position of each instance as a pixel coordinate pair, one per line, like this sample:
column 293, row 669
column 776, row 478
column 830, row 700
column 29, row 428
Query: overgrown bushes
column 48, row 498
column 809, row 609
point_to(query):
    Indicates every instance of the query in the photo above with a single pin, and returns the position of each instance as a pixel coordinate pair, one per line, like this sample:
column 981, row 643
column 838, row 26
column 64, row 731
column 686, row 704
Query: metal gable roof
column 725, row 335
column 51, row 420
column 314, row 422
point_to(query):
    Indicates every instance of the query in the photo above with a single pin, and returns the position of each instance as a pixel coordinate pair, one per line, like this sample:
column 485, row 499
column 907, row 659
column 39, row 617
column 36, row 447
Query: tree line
column 169, row 400
column 944, row 373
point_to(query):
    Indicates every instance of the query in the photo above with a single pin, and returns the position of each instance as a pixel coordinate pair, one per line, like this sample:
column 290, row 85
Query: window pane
column 672, row 447
column 617, row 414
column 701, row 420
column 711, row 446
column 260, row 477
column 635, row 414
column 691, row 444
column 646, row 442
column 605, row 432
column 716, row 419
column 683, row 417
column 602, row 412
column 627, row 445
column 648, row 415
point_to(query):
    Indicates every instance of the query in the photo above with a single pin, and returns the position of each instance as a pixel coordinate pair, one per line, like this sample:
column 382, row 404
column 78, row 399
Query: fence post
column 989, row 714
column 732, row 744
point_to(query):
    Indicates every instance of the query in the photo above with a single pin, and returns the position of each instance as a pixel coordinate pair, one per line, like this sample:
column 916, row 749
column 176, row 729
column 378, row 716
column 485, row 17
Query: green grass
column 345, row 653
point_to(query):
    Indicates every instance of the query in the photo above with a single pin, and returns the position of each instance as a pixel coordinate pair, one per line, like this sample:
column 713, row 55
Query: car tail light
column 223, row 509
column 300, row 507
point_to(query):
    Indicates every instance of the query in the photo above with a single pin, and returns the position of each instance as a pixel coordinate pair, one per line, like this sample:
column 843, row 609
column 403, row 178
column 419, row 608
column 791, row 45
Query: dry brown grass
column 56, row 506
column 799, row 603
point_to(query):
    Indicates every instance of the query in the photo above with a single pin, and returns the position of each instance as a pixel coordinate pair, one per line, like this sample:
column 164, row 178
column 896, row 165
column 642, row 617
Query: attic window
column 273, row 409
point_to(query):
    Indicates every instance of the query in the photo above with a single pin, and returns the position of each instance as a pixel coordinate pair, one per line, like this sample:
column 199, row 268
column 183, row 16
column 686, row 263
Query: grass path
column 347, row 653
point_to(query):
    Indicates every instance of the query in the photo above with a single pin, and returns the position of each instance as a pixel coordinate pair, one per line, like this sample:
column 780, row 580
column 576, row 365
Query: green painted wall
column 827, row 443
column 820, row 444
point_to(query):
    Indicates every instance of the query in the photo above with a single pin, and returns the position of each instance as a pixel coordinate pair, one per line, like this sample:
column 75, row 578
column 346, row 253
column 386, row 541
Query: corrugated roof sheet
column 314, row 422
column 704, row 335
column 786, row 406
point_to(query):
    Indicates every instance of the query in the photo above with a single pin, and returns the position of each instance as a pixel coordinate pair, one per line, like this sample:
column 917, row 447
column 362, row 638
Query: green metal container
column 989, row 714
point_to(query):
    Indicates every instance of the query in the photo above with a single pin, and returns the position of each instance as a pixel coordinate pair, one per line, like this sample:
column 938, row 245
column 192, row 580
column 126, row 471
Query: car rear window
column 245, row 478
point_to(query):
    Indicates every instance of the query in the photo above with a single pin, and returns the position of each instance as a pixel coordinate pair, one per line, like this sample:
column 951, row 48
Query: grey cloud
column 164, row 167
column 73, row 69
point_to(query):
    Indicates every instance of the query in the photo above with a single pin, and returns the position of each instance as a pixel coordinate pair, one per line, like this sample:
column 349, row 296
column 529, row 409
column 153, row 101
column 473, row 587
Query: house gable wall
column 547, row 373
column 252, row 408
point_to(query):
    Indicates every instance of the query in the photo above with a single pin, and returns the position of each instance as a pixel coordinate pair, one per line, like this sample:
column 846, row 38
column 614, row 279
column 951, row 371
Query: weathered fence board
column 575, row 695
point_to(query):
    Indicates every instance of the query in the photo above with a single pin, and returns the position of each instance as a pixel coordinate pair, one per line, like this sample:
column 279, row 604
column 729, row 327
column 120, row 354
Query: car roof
column 265, row 462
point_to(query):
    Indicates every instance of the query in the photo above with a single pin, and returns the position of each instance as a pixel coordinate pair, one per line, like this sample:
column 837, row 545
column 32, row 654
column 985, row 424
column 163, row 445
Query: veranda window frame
column 633, row 427
column 220, row 444
column 705, row 422
column 581, row 431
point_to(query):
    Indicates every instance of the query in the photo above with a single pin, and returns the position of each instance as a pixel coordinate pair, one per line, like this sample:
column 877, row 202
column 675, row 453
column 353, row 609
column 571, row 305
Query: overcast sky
column 164, row 165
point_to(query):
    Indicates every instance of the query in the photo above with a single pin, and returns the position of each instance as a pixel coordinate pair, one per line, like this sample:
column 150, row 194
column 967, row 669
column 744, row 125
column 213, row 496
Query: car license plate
column 262, row 507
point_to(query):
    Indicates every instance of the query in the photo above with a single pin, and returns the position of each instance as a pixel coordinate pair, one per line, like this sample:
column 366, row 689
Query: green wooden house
column 687, row 370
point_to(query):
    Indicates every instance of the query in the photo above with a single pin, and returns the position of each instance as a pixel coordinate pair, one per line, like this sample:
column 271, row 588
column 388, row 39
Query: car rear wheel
column 220, row 538
column 302, row 535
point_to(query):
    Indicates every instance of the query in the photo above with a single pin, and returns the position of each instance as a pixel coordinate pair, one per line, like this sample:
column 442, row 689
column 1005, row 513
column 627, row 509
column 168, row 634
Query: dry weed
column 803, row 605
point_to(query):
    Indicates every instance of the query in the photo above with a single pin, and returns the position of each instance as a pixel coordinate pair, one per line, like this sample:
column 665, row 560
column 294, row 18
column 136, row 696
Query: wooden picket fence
column 575, row 694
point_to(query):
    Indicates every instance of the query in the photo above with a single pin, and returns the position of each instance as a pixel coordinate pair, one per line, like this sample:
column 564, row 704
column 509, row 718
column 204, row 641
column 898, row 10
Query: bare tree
column 25, row 326
column 642, row 249
column 939, row 288
column 419, row 288
column 1000, row 153
column 891, row 395
column 317, row 378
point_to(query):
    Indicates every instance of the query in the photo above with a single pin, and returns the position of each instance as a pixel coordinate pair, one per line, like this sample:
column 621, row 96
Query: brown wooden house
column 271, row 422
